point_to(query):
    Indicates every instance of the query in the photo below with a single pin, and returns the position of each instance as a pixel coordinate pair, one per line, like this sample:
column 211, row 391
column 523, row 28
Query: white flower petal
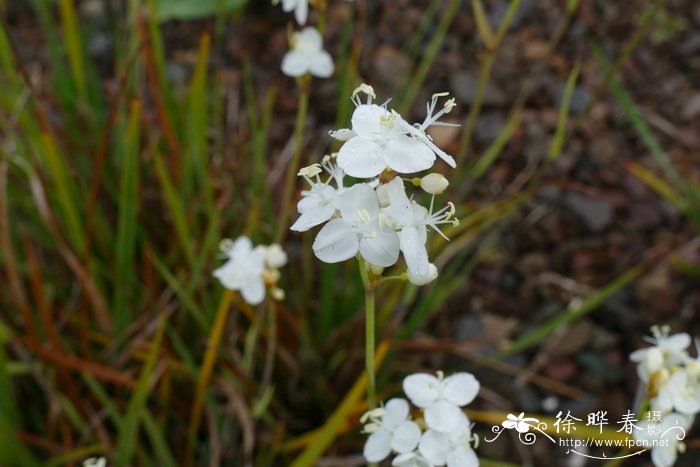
column 358, row 197
column 336, row 242
column 301, row 11
column 395, row 412
column 462, row 457
column 321, row 64
column 434, row 446
column 361, row 158
column 377, row 446
column 406, row 437
column 313, row 217
column 343, row 134
column 664, row 456
column 412, row 243
column 382, row 249
column 400, row 207
column 443, row 416
column 678, row 342
column 241, row 246
column 421, row 389
column 310, row 36
column 408, row 155
column 228, row 277
column 410, row 459
column 295, row 63
column 367, row 121
column 253, row 291
column 460, row 388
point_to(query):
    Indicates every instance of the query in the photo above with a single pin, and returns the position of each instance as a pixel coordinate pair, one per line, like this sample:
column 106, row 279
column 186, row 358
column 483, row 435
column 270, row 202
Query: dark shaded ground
column 592, row 219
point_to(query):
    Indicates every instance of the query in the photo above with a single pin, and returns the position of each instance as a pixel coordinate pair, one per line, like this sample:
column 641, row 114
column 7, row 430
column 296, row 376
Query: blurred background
column 135, row 135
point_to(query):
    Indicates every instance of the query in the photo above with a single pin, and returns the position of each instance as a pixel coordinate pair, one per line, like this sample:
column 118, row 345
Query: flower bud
column 275, row 257
column 434, row 183
column 376, row 270
column 278, row 294
column 383, row 195
column 422, row 280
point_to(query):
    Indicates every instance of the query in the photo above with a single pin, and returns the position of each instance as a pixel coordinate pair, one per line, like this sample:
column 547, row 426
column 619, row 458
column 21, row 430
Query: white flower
column 317, row 204
column 410, row 220
column 452, row 449
column 665, row 352
column 520, row 423
column 441, row 398
column 672, row 430
column 95, row 462
column 361, row 227
column 681, row 392
column 390, row 430
column 300, row 7
column 382, row 141
column 381, row 138
column 307, row 55
column 249, row 269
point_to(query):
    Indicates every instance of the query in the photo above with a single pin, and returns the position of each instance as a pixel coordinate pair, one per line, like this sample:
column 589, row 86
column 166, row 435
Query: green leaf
column 188, row 9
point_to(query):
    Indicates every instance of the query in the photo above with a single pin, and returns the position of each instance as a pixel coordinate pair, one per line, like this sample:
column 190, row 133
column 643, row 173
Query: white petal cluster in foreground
column 672, row 380
column 250, row 270
column 377, row 219
column 447, row 439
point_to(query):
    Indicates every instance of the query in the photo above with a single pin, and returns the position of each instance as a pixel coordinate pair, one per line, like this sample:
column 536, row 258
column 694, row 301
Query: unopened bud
column 434, row 183
column 426, row 279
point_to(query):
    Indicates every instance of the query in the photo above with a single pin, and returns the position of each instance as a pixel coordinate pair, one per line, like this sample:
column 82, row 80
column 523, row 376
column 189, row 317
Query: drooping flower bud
column 434, row 183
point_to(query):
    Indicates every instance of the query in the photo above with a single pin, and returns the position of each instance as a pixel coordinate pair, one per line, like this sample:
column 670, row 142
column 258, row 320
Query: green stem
column 302, row 110
column 369, row 333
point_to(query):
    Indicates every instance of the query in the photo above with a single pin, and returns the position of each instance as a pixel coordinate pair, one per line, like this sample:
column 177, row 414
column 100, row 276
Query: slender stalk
column 369, row 333
column 205, row 373
column 283, row 220
column 271, row 345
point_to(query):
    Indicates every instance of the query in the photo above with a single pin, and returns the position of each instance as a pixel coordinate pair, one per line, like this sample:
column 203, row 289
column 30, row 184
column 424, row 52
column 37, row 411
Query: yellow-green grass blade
column 317, row 444
column 495, row 148
column 66, row 190
column 73, row 44
column 560, row 132
column 573, row 313
column 405, row 101
column 624, row 99
column 175, row 208
column 482, row 24
column 12, row 450
column 127, row 224
column 128, row 430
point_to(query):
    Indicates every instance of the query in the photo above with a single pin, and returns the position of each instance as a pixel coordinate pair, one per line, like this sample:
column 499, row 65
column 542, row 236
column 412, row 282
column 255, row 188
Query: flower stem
column 369, row 333
column 283, row 220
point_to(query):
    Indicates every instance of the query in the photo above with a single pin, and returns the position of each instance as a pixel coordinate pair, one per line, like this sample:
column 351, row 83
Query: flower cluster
column 250, row 270
column 672, row 380
column 447, row 438
column 377, row 218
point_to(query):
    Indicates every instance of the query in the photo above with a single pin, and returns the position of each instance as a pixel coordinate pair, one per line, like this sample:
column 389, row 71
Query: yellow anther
column 365, row 88
column 310, row 170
